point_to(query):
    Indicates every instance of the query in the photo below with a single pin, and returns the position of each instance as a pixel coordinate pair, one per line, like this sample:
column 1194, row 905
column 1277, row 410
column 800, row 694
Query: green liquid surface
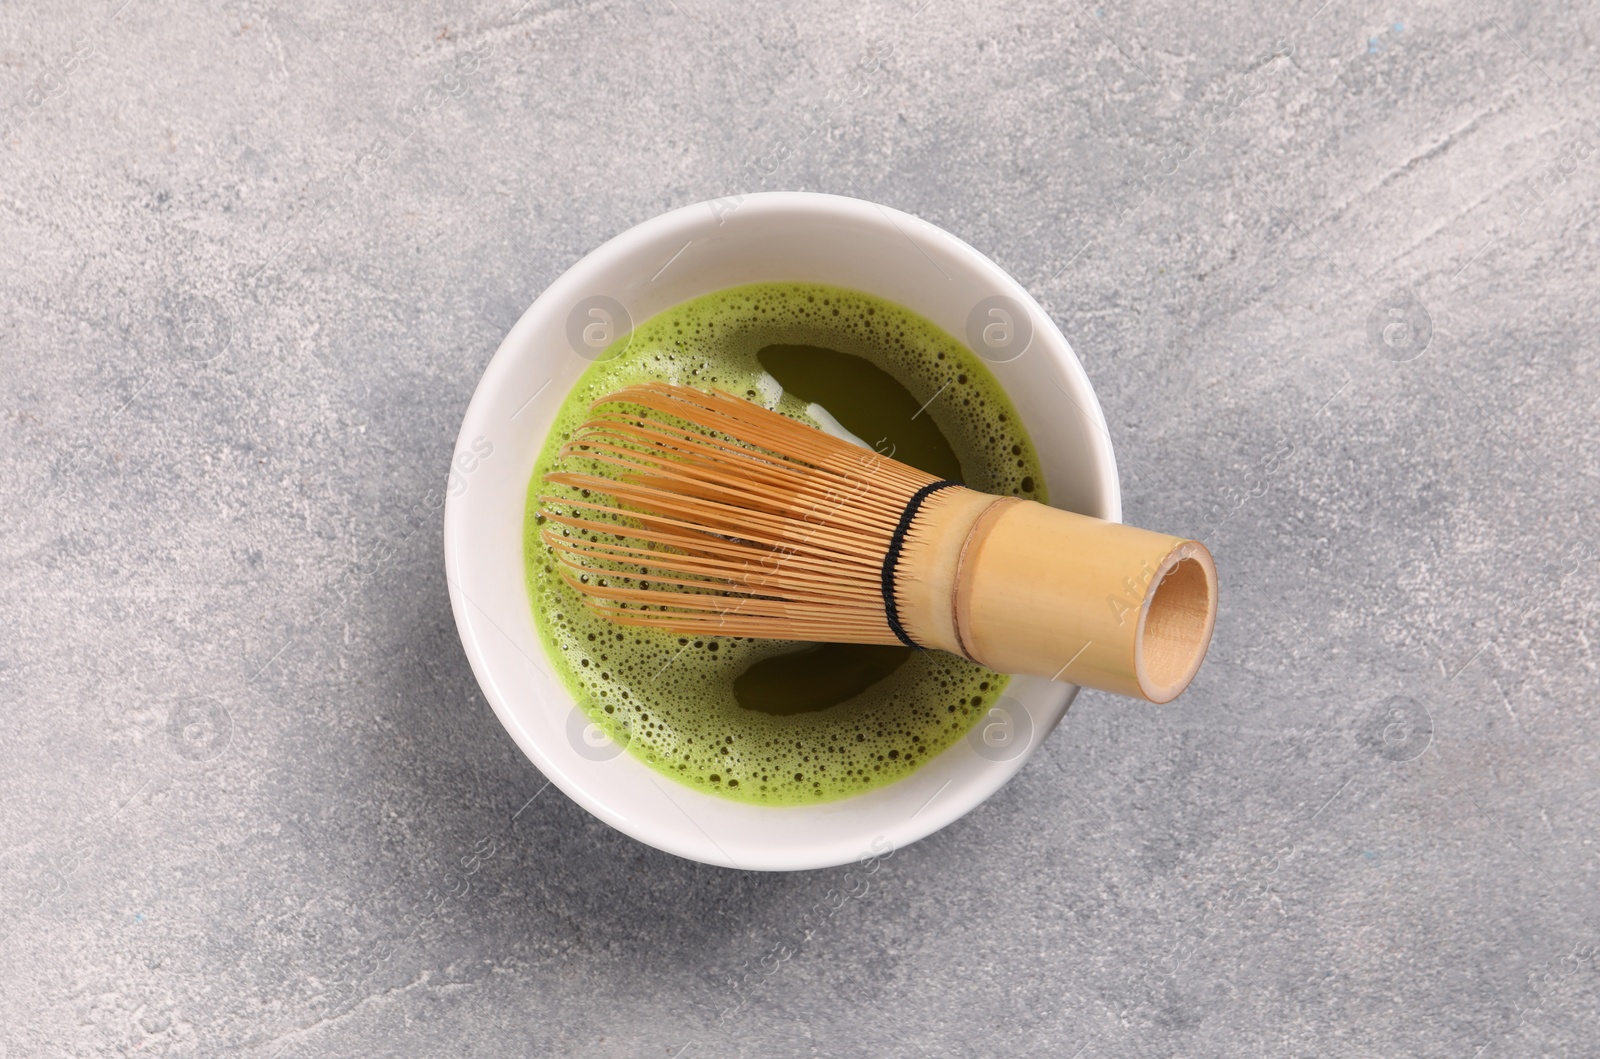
column 768, row 721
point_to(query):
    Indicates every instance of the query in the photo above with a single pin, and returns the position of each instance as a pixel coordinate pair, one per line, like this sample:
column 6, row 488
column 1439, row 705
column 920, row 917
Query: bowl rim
column 517, row 347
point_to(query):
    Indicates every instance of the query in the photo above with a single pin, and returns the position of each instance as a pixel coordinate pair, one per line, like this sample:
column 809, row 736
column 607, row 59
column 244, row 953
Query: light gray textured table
column 1332, row 270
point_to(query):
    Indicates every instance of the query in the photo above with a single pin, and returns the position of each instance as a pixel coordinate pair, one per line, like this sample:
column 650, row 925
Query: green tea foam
column 671, row 698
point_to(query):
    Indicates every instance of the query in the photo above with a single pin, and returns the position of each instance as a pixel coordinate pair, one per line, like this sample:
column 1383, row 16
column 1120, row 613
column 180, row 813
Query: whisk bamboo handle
column 1025, row 588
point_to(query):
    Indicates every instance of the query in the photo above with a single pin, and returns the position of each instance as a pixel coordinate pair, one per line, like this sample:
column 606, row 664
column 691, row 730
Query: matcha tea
column 769, row 721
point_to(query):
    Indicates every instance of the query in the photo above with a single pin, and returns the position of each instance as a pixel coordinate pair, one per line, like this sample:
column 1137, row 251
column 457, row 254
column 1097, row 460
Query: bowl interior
column 665, row 261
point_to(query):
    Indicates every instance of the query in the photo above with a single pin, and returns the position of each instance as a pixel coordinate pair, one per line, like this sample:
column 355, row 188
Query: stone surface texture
column 1330, row 265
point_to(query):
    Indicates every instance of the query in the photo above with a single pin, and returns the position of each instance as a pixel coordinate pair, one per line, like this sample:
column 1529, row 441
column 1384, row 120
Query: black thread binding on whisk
column 892, row 557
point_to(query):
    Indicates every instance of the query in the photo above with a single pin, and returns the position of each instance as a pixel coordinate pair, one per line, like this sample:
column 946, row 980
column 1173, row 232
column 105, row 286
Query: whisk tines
column 706, row 512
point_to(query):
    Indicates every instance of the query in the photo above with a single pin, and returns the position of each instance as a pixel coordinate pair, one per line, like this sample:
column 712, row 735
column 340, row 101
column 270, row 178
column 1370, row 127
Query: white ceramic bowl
column 668, row 260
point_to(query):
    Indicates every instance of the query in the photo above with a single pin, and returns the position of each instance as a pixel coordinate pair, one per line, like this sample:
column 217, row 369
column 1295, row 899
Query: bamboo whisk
column 743, row 522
